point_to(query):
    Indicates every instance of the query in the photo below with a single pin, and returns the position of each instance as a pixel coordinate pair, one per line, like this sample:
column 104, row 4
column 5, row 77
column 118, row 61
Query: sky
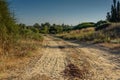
column 70, row 12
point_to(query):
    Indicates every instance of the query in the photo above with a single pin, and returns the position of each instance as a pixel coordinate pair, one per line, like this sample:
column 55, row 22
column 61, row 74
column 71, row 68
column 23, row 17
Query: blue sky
column 70, row 12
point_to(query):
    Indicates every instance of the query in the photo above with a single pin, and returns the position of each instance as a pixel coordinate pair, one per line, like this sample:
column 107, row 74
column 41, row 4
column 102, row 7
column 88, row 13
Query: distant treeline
column 47, row 28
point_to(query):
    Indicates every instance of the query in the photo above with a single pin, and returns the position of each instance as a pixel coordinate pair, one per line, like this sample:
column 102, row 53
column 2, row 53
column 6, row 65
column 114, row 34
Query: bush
column 101, row 25
column 31, row 33
column 84, row 25
column 8, row 28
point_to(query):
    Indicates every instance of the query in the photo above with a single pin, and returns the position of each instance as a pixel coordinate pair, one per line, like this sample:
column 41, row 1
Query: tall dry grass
column 19, row 56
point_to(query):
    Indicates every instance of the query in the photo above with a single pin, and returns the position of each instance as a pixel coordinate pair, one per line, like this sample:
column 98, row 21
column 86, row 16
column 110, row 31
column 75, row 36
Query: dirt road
column 63, row 60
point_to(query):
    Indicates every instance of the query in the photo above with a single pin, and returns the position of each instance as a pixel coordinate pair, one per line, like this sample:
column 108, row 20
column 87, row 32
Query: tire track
column 51, row 64
column 57, row 54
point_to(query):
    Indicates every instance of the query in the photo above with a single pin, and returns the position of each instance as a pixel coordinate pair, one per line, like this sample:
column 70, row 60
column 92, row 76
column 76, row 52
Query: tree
column 8, row 27
column 59, row 29
column 52, row 29
column 46, row 30
column 114, row 15
column 36, row 25
column 114, row 3
column 101, row 25
column 118, row 11
column 108, row 16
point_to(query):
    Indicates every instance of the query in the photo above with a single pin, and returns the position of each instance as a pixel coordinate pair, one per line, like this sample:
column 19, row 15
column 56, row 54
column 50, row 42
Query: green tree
column 45, row 30
column 108, row 16
column 118, row 11
column 52, row 29
column 36, row 25
column 59, row 29
column 114, row 15
column 8, row 27
column 45, row 27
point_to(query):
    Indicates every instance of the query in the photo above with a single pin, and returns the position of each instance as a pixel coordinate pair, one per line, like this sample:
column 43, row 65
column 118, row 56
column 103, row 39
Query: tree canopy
column 114, row 15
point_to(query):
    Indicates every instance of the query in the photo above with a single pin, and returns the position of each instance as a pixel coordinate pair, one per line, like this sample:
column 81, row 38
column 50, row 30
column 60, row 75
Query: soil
column 64, row 60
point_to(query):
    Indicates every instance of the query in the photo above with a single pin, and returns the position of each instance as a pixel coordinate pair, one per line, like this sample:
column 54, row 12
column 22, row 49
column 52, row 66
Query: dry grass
column 26, row 47
column 78, row 34
column 11, row 64
column 110, row 34
column 19, row 57
column 112, row 46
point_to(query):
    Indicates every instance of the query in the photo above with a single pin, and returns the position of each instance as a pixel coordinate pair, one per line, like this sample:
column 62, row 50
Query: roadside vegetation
column 104, row 31
column 11, row 33
column 19, row 42
column 16, row 42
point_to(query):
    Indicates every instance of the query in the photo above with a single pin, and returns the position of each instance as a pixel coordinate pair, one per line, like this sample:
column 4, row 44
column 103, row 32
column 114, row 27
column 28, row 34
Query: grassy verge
column 15, row 56
column 83, row 34
column 19, row 57
column 17, row 43
column 91, row 35
column 107, row 37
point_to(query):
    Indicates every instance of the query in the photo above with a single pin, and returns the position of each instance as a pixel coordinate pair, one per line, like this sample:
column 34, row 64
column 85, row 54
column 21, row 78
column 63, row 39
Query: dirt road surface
column 63, row 60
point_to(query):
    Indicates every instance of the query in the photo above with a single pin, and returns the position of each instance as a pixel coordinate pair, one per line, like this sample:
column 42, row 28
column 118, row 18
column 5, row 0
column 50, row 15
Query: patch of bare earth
column 98, row 64
column 48, row 67
column 63, row 60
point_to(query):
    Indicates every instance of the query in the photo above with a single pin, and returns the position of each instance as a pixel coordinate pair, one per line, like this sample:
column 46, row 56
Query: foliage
column 101, row 25
column 30, row 33
column 47, row 28
column 89, row 34
column 36, row 25
column 56, row 29
column 66, row 27
column 84, row 25
column 8, row 28
column 11, row 33
column 114, row 15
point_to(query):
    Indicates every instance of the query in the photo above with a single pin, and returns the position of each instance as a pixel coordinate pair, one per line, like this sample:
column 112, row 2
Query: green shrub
column 9, row 33
column 31, row 34
column 84, row 25
column 101, row 25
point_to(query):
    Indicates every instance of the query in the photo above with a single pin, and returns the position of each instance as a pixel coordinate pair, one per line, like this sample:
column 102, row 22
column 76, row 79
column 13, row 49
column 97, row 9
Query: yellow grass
column 20, row 57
